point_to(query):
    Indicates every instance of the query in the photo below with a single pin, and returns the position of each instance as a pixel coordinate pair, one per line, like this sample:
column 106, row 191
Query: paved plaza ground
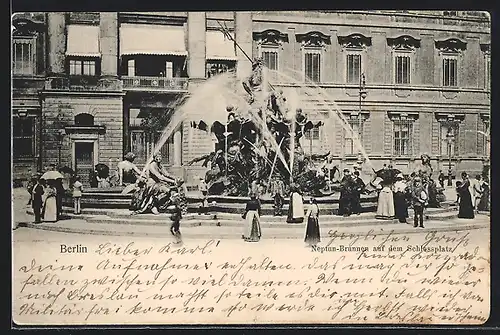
column 230, row 228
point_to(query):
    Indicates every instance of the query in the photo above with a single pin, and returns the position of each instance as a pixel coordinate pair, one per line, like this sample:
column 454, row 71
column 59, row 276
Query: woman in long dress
column 484, row 202
column 400, row 196
column 385, row 207
column 466, row 209
column 312, row 228
column 49, row 212
column 252, row 232
column 296, row 207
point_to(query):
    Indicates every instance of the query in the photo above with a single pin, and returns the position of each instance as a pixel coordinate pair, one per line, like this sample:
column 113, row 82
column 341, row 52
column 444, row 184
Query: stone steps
column 234, row 233
column 235, row 220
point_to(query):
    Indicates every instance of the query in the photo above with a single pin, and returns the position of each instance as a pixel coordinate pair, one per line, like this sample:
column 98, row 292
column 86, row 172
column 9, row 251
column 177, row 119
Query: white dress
column 296, row 212
column 385, row 208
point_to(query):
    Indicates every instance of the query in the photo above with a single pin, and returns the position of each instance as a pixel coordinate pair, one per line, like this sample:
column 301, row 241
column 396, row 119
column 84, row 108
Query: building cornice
column 451, row 45
column 355, row 41
column 151, row 19
column 355, row 24
column 270, row 36
column 405, row 42
column 82, row 93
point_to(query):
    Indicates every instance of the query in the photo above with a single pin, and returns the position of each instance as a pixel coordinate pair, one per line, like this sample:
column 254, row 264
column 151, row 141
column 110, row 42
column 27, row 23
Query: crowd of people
column 47, row 191
column 154, row 190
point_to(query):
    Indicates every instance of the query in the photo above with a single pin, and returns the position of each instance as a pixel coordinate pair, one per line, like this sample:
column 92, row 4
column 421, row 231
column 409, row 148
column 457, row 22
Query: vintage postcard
column 295, row 167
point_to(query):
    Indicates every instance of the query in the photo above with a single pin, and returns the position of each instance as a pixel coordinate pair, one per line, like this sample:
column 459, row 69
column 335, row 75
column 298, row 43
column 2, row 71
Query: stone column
column 56, row 23
column 109, row 44
column 244, row 37
column 196, row 27
column 178, row 147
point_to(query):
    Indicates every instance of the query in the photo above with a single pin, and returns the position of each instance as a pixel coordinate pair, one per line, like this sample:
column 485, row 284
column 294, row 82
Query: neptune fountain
column 259, row 142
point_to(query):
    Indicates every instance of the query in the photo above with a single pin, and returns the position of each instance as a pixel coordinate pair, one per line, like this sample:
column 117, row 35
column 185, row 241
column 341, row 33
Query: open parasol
column 388, row 175
column 52, row 175
column 66, row 170
column 102, row 170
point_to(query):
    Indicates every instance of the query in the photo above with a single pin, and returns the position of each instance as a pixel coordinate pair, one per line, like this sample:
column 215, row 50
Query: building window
column 23, row 56
column 142, row 144
column 312, row 139
column 445, row 133
column 142, row 141
column 312, row 66
column 217, row 67
column 353, row 68
column 312, row 134
column 484, row 137
column 82, row 67
column 131, row 68
column 450, row 72
column 487, row 76
column 402, row 134
column 350, row 147
column 23, row 137
column 270, row 58
column 84, row 119
column 169, row 69
column 138, row 144
column 402, row 68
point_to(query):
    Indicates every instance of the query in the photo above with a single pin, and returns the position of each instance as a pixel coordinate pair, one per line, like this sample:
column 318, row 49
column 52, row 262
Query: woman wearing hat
column 400, row 204
column 484, row 202
column 252, row 232
column 312, row 227
column 49, row 211
column 466, row 209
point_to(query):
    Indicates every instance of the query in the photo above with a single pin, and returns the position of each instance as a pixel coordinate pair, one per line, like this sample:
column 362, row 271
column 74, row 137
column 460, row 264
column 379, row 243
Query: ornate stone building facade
column 406, row 82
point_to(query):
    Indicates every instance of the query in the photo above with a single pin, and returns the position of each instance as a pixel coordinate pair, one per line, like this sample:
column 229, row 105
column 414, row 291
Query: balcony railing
column 75, row 83
column 139, row 83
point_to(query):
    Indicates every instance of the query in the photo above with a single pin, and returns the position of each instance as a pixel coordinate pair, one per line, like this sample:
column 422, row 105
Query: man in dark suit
column 358, row 187
column 345, row 200
column 36, row 200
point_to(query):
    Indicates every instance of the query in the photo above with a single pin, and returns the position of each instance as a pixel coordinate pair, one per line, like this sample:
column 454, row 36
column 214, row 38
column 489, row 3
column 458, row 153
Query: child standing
column 419, row 199
column 77, row 195
column 175, row 217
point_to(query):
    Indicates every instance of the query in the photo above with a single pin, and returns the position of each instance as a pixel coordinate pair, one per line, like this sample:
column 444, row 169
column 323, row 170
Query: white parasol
column 52, row 175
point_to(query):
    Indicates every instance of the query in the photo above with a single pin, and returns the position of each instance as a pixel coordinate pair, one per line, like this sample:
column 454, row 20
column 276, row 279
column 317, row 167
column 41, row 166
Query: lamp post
column 362, row 96
column 60, row 132
column 60, row 137
column 450, row 138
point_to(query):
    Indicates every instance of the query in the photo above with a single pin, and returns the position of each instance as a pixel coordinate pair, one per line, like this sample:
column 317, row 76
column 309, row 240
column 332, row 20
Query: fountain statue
column 424, row 171
column 249, row 143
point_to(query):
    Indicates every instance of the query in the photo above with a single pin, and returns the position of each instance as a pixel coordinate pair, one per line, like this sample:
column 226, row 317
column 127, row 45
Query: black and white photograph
column 251, row 167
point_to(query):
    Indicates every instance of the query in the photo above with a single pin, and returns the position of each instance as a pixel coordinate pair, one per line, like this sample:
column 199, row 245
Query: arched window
column 84, row 119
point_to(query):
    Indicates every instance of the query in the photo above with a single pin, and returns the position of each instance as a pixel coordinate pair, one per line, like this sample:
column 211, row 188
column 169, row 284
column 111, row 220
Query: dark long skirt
column 400, row 206
column 466, row 210
column 312, row 231
column 484, row 202
column 356, row 203
column 345, row 204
